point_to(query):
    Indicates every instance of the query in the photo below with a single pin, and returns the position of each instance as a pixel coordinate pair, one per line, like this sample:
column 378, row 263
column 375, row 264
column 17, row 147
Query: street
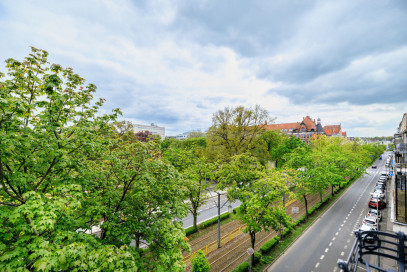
column 331, row 236
column 210, row 210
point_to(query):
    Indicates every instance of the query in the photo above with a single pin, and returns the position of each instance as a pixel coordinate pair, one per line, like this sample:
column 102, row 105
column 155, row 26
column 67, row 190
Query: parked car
column 370, row 220
column 383, row 177
column 378, row 194
column 377, row 201
column 376, row 213
column 367, row 227
column 380, row 187
column 374, row 166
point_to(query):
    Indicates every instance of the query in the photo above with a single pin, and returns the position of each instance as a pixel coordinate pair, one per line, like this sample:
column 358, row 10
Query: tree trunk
column 306, row 206
column 253, row 241
column 137, row 240
column 195, row 215
column 332, row 190
column 320, row 196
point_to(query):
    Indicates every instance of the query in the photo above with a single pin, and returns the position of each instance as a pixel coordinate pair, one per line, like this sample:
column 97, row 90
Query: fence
column 223, row 240
column 214, row 245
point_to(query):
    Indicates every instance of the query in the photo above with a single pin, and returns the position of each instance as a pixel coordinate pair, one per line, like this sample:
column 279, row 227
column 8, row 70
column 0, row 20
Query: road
column 210, row 210
column 331, row 237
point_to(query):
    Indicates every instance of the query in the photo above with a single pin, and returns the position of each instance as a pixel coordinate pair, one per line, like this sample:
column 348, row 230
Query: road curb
column 312, row 223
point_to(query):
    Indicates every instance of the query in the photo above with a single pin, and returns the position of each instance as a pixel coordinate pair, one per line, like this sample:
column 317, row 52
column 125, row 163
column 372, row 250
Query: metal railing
column 375, row 243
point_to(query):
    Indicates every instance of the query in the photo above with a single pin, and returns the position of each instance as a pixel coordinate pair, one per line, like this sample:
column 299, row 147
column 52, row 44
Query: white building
column 153, row 128
column 182, row 136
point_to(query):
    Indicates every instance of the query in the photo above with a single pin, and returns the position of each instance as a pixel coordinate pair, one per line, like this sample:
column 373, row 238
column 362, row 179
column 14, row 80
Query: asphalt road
column 331, row 237
column 210, row 210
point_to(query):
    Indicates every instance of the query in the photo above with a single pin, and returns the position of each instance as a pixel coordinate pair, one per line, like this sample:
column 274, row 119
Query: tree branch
column 46, row 173
column 29, row 222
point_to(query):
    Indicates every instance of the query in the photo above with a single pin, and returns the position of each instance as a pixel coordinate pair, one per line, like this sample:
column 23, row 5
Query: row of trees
column 66, row 170
column 236, row 157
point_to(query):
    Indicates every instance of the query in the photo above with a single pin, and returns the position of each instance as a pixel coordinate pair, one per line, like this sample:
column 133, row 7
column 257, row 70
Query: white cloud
column 332, row 60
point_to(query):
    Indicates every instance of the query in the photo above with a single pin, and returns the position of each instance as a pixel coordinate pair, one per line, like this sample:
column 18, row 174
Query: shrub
column 190, row 230
column 257, row 257
column 286, row 231
column 214, row 220
column 269, row 245
column 200, row 263
column 243, row 267
column 300, row 220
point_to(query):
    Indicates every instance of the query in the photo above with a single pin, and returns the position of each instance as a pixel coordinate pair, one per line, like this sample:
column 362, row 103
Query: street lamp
column 218, row 205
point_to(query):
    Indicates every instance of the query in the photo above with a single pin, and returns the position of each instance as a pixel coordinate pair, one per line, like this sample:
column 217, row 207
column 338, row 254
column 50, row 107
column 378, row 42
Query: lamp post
column 218, row 205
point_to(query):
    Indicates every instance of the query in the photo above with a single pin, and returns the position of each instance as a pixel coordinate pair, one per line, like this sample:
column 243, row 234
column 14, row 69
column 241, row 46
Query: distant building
column 182, row 136
column 307, row 129
column 154, row 129
column 400, row 141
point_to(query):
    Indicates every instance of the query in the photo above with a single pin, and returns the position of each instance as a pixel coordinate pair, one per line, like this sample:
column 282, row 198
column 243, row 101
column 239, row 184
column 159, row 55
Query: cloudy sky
column 175, row 63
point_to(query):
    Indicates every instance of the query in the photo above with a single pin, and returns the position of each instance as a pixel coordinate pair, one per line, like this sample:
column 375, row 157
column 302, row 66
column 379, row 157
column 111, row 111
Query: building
column 307, row 129
column 154, row 129
column 400, row 141
column 334, row 130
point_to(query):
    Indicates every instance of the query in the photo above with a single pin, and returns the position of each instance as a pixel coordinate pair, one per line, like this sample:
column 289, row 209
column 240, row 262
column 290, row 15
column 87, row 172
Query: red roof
column 332, row 129
column 282, row 126
column 307, row 123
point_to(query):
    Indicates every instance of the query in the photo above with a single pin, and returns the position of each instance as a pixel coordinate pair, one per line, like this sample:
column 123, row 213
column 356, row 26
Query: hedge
column 213, row 221
column 190, row 230
column 210, row 222
column 257, row 257
column 243, row 267
column 286, row 231
column 269, row 245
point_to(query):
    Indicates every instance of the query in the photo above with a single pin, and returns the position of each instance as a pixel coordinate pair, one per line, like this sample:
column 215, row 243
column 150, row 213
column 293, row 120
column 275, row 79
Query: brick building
column 307, row 128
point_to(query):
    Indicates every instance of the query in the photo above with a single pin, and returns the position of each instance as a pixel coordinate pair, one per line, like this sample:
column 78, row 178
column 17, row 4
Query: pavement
column 392, row 225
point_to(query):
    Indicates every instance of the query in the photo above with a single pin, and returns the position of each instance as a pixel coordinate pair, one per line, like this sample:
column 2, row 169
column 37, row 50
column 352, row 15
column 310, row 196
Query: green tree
column 288, row 145
column 235, row 131
column 200, row 263
column 47, row 122
column 262, row 207
column 239, row 173
column 300, row 160
column 196, row 171
column 137, row 194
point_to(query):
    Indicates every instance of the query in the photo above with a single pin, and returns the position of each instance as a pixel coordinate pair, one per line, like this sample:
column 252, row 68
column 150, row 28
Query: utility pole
column 218, row 219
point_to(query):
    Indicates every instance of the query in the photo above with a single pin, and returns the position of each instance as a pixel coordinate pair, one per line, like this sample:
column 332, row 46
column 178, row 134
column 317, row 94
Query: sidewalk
column 392, row 225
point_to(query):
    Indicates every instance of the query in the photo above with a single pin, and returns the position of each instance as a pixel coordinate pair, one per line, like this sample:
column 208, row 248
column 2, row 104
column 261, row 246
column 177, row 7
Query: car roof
column 366, row 227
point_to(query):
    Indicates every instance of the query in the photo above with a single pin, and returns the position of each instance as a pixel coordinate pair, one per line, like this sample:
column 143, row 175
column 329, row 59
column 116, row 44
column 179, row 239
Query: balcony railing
column 375, row 243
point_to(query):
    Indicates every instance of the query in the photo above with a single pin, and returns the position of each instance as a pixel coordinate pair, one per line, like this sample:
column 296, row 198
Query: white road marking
column 346, row 247
column 337, row 233
column 333, row 239
column 326, row 250
column 330, row 244
column 316, row 265
column 348, row 240
column 342, row 253
column 322, row 257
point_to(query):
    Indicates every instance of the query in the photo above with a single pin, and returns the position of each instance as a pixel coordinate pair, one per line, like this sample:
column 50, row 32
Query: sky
column 175, row 63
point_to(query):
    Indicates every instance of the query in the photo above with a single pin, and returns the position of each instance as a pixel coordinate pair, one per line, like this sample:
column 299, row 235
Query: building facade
column 307, row 129
column 400, row 141
column 153, row 128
